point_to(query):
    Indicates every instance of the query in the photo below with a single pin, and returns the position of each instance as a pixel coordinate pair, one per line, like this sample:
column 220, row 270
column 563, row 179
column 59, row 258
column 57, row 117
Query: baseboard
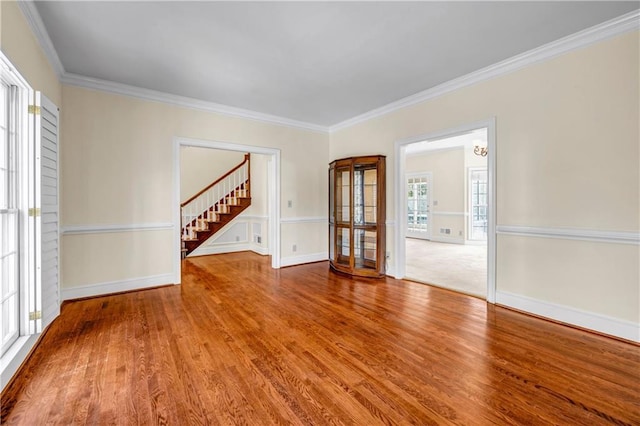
column 221, row 248
column 391, row 273
column 305, row 258
column 450, row 240
column 589, row 320
column 116, row 286
column 264, row 251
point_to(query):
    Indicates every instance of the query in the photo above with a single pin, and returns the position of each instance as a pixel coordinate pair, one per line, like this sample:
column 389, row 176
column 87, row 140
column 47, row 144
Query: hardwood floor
column 240, row 343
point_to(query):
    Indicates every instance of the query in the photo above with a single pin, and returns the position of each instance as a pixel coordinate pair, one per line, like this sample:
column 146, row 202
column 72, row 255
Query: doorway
column 273, row 194
column 444, row 193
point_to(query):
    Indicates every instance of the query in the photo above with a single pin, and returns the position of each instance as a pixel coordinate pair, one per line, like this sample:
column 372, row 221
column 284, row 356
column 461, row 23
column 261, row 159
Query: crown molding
column 34, row 21
column 183, row 101
column 38, row 29
column 600, row 32
column 620, row 25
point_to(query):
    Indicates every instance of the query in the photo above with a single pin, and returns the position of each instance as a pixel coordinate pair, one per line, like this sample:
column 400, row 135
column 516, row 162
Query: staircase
column 215, row 206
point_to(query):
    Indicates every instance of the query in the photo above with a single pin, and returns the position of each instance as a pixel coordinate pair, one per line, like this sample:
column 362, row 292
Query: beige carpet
column 457, row 267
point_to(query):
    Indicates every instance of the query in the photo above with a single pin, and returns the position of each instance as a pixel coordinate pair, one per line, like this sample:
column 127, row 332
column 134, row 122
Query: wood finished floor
column 240, row 343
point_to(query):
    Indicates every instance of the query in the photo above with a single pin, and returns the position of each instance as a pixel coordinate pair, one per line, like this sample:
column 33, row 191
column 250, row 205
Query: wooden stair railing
column 215, row 206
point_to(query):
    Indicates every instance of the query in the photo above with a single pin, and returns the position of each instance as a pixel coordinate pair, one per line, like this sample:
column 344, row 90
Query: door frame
column 401, row 199
column 429, row 176
column 273, row 194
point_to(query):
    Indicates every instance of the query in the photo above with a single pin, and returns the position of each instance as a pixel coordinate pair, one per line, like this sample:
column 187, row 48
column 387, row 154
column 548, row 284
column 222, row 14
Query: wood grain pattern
column 241, row 343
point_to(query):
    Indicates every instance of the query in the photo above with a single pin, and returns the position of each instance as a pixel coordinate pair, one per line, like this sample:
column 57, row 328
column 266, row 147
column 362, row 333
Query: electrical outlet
column 295, row 247
column 447, row 231
column 387, row 255
column 460, row 233
column 237, row 238
column 289, row 203
column 258, row 239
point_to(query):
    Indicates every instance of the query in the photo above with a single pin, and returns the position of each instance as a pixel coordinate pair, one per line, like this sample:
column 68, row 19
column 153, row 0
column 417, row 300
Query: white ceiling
column 315, row 62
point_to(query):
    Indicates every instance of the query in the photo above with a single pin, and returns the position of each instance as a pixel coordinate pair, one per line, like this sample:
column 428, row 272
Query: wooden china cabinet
column 357, row 216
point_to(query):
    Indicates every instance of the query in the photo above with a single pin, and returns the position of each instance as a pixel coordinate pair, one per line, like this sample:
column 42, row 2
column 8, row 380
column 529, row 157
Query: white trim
column 390, row 222
column 273, row 236
column 185, row 102
column 304, row 258
column 220, row 248
column 7, row 67
column 305, row 219
column 177, row 217
column 401, row 204
column 38, row 29
column 571, row 234
column 592, row 321
column 11, row 361
column 101, row 229
column 439, row 213
column 263, row 251
column 116, row 286
column 425, row 152
column 616, row 26
column 584, row 38
column 449, row 240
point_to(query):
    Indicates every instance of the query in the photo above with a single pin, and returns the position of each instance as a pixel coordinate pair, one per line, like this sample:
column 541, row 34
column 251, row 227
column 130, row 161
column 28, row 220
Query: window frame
column 425, row 234
column 470, row 172
column 24, row 135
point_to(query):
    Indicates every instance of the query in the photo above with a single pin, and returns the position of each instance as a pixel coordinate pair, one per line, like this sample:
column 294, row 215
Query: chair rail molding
column 127, row 227
column 305, row 219
column 618, row 237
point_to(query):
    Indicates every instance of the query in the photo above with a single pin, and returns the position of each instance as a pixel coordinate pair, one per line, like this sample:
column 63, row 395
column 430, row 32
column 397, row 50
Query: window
column 29, row 291
column 9, row 217
column 418, row 201
column 478, row 205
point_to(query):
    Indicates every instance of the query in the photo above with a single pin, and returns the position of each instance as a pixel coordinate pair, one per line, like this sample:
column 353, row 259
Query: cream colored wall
column 567, row 157
column 201, row 166
column 117, row 156
column 23, row 50
column 448, row 189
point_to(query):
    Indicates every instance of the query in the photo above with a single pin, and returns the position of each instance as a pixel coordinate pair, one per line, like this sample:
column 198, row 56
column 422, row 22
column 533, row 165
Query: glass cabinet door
column 332, row 191
column 343, row 246
column 343, row 196
column 365, row 248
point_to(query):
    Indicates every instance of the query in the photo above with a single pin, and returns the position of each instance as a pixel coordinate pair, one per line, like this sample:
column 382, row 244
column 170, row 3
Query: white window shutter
column 46, row 214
